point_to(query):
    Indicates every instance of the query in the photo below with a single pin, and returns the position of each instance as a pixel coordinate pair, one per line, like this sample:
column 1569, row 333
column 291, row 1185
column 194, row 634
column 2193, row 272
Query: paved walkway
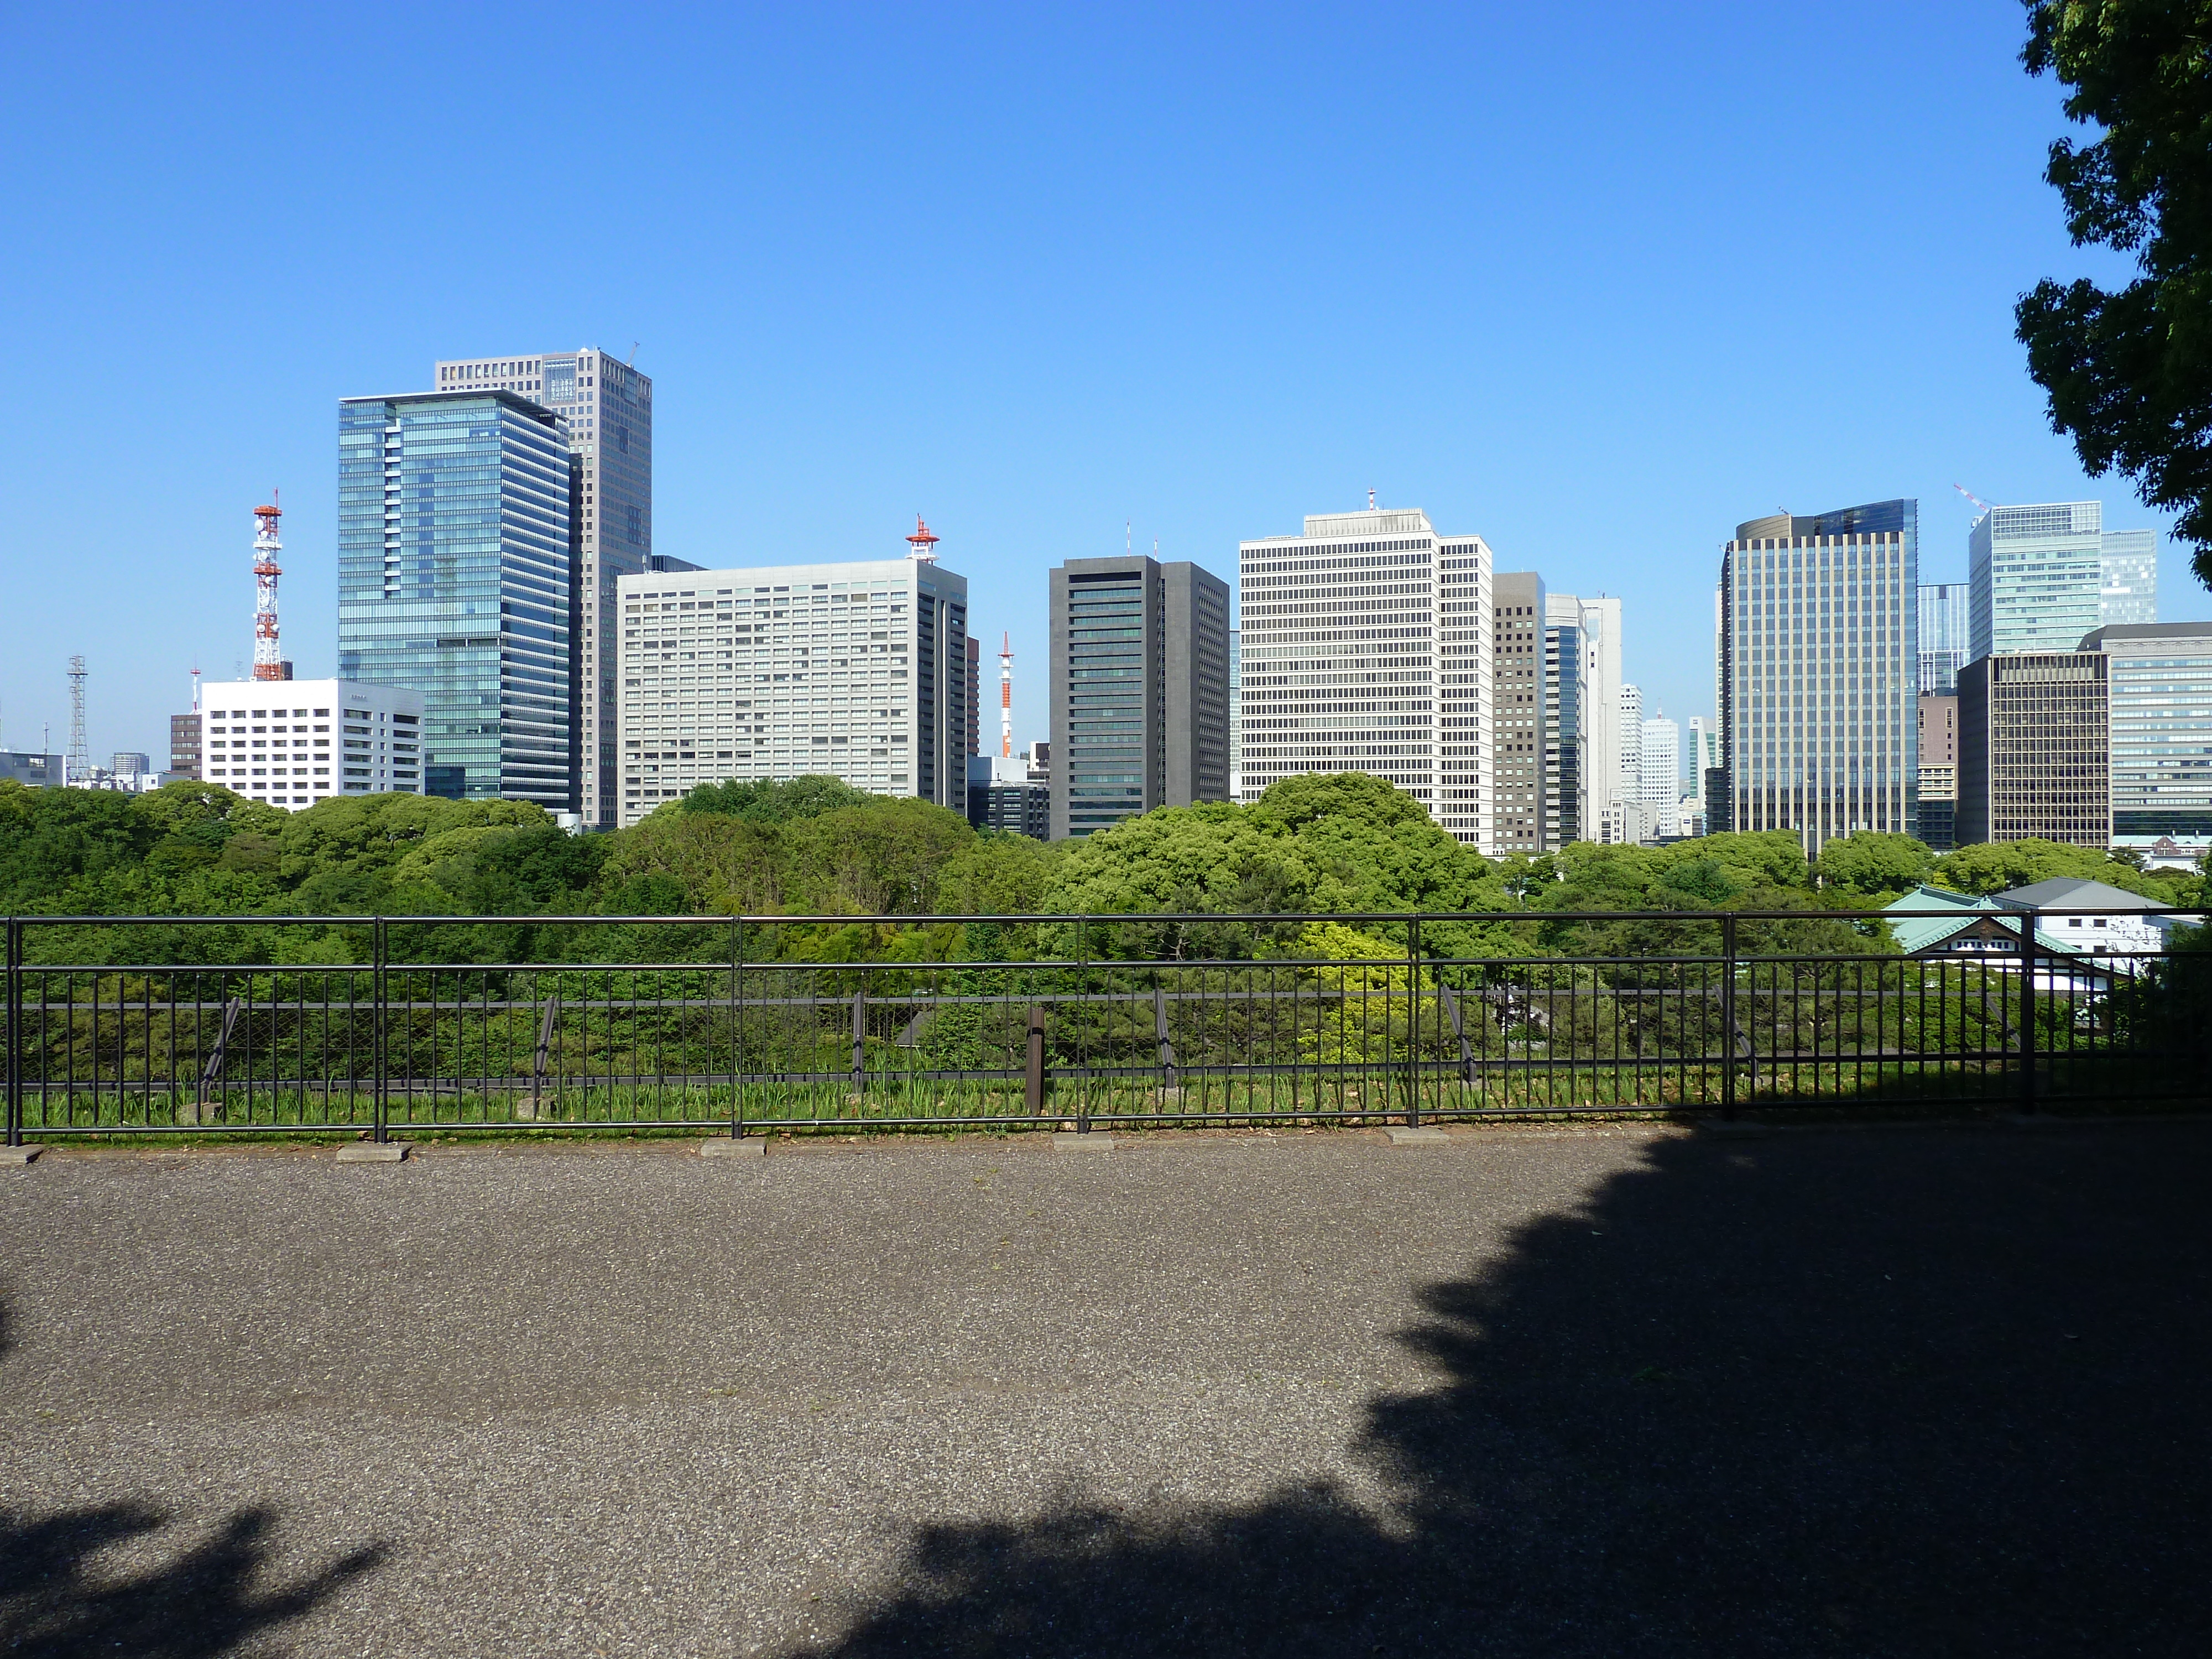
column 1931, row 1391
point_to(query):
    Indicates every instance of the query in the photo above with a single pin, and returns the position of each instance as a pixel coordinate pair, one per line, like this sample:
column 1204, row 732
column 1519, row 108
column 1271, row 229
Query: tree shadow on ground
column 205, row 1596
column 1921, row 1392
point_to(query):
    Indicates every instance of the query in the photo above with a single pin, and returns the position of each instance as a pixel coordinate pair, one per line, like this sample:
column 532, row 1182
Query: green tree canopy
column 2129, row 374
column 1872, row 866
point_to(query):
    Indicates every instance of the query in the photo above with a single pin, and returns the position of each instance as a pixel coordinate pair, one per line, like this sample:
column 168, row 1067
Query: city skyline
column 1144, row 341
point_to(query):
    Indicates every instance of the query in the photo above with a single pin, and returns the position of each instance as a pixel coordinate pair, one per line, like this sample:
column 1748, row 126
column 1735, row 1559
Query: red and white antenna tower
column 923, row 542
column 1006, row 697
column 267, row 664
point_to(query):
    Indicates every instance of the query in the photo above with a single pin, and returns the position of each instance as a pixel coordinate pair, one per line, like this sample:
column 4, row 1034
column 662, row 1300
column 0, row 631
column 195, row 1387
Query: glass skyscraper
column 1943, row 637
column 2042, row 576
column 2160, row 679
column 453, row 581
column 605, row 408
column 1818, row 650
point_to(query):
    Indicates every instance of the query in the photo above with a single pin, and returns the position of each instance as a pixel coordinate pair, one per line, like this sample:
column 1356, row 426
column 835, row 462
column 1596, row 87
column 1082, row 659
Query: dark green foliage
column 769, row 800
column 2129, row 374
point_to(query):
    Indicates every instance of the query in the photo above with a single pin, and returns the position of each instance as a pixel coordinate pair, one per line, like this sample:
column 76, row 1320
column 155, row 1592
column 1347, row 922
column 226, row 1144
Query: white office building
column 292, row 743
column 854, row 671
column 1659, row 775
column 1624, row 819
column 605, row 408
column 1581, row 667
column 1365, row 648
column 2040, row 577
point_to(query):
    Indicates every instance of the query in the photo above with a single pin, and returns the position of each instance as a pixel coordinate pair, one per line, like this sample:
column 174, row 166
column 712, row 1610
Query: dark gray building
column 2034, row 750
column 1518, row 654
column 1140, row 670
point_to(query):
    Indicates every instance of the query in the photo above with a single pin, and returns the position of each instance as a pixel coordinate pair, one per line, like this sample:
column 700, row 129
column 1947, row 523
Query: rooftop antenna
column 632, row 364
column 196, row 686
column 79, row 762
column 1371, row 501
column 923, row 542
column 267, row 664
column 1129, row 537
column 1006, row 697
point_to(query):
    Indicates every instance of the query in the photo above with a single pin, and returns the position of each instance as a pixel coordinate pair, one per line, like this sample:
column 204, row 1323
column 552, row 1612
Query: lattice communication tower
column 79, row 758
column 267, row 664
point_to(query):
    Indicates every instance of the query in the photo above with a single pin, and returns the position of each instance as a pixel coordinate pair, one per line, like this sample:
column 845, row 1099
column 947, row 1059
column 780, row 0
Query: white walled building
column 854, row 671
column 1592, row 628
column 1626, row 808
column 292, row 743
column 1365, row 648
column 1660, row 776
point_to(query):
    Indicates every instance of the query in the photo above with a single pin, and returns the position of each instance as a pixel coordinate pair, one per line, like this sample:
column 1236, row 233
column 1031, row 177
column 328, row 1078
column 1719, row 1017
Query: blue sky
column 1595, row 282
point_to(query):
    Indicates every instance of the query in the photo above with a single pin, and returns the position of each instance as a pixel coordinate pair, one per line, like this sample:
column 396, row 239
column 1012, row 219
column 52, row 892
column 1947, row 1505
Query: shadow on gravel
column 204, row 1596
column 1932, row 1393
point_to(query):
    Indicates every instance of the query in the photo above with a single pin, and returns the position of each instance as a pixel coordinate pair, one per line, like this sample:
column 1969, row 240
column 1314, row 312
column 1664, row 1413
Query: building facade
column 2034, row 757
column 1366, row 648
column 292, row 743
column 2130, row 574
column 1939, row 769
column 453, row 581
column 1818, row 671
column 184, row 745
column 1138, row 662
column 1659, row 777
column 2158, row 676
column 1566, row 719
column 605, row 407
column 35, row 771
column 855, row 670
column 1945, row 635
column 1521, row 738
column 2042, row 576
column 1001, row 796
column 1237, row 713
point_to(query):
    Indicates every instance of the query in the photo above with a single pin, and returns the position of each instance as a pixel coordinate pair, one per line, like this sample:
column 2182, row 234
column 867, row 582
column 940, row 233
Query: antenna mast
column 1006, row 697
column 267, row 666
column 923, row 542
column 79, row 762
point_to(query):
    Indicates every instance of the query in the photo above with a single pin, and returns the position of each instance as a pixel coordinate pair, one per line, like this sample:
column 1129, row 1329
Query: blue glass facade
column 454, row 579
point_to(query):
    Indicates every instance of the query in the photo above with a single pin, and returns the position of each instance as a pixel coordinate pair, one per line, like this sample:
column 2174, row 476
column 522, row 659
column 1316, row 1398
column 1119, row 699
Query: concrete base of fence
column 373, row 1151
column 2035, row 1120
column 728, row 1147
column 1094, row 1142
column 20, row 1154
column 1737, row 1130
column 1426, row 1135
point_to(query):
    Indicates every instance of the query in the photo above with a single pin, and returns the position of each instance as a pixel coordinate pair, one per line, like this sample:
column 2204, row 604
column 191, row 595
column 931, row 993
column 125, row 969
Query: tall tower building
column 1945, row 637
column 2160, row 678
column 854, row 671
column 2042, row 576
column 1521, row 727
column 1628, row 783
column 1139, row 698
column 1366, row 648
column 2129, row 596
column 453, row 581
column 605, row 407
column 2034, row 754
column 1818, row 663
column 1237, row 713
column 1566, row 734
column 1587, row 790
column 1660, row 775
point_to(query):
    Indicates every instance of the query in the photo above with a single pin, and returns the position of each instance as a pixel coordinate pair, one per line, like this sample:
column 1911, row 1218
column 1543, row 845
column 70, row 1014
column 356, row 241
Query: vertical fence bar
column 2027, row 1012
column 380, row 1041
column 1033, row 1090
column 1413, row 1022
column 1728, row 1018
column 14, row 1031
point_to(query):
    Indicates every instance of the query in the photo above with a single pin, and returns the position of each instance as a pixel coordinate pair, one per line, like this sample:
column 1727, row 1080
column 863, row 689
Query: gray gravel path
column 1591, row 1392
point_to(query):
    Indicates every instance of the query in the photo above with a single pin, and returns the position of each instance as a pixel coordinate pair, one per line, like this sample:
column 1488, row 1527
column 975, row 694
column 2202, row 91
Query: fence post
column 736, row 1031
column 1728, row 1018
column 379, row 1043
column 860, row 1037
column 2027, row 1012
column 14, row 1031
column 1033, row 1092
column 1413, row 1022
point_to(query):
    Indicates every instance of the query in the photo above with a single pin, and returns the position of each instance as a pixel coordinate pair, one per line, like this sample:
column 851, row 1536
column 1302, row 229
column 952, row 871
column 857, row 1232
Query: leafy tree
column 1997, row 867
column 2129, row 374
column 1872, row 865
column 773, row 800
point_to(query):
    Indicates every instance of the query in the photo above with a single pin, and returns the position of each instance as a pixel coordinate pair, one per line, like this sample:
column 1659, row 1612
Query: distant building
column 2076, row 922
column 974, row 695
column 1566, row 728
column 1659, row 777
column 129, row 766
column 453, row 581
column 1819, row 670
column 1521, row 736
column 1366, row 648
column 38, row 771
column 2160, row 676
column 185, row 744
column 1939, row 769
column 2033, row 755
column 2041, row 576
column 1707, row 773
column 604, row 410
column 1140, row 675
column 1633, row 823
column 854, row 671
column 1001, row 796
column 292, row 743
column 1945, row 636
column 1237, row 713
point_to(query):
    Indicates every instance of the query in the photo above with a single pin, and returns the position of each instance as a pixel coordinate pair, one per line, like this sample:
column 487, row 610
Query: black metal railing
column 378, row 1025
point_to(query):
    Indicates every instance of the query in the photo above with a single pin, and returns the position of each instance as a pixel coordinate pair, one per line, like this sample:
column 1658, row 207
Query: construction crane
column 1975, row 500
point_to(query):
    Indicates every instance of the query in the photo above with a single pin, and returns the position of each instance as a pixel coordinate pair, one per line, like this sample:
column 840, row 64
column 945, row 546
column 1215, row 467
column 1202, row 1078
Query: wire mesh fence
column 146, row 1025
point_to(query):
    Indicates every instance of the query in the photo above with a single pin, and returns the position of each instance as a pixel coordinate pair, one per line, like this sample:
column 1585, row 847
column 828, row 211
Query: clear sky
column 1595, row 282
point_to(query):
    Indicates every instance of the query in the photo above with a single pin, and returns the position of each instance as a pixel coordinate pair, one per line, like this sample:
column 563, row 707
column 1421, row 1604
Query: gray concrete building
column 1517, row 659
column 1139, row 663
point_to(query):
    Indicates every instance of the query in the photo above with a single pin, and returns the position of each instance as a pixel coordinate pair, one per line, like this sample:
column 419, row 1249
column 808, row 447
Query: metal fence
column 146, row 1026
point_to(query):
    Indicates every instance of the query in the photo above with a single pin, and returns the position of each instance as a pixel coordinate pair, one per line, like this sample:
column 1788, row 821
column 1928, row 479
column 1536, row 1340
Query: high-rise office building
column 2034, row 758
column 1001, row 796
column 605, row 409
column 1634, row 823
column 1566, row 718
column 453, row 581
column 184, row 745
column 1660, row 775
column 1366, row 648
column 854, row 671
column 1140, row 667
column 1939, row 768
column 292, row 743
column 1521, row 740
column 974, row 695
column 1707, row 775
column 2041, row 576
column 1945, row 636
column 1819, row 660
column 1236, row 713
column 2159, row 677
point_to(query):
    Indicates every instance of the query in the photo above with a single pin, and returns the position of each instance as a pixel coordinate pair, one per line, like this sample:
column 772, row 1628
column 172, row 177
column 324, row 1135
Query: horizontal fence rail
column 371, row 1025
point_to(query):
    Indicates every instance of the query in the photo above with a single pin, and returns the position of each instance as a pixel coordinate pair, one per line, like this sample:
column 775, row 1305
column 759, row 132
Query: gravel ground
column 1602, row 1392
